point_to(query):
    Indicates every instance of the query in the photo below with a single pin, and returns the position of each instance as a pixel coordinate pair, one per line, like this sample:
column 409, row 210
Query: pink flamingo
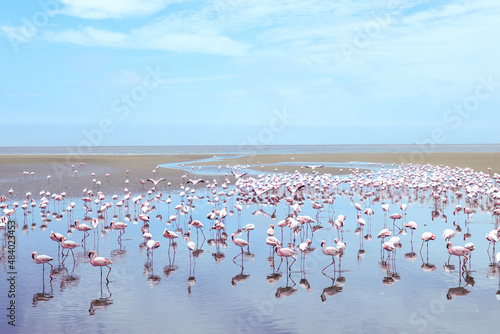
column 83, row 228
column 492, row 237
column 100, row 262
column 42, row 259
column 270, row 230
column 170, row 235
column 119, row 226
column 329, row 251
column 152, row 245
column 412, row 226
column 285, row 252
column 240, row 243
column 457, row 251
column 426, row 237
column 69, row 245
column 56, row 237
column 448, row 234
column 247, row 228
column 389, row 247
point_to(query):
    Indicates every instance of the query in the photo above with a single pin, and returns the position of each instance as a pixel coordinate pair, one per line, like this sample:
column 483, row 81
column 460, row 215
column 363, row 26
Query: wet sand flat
column 141, row 167
column 479, row 161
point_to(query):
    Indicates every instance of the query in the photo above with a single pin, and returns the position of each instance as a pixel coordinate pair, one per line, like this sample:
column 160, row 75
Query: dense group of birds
column 382, row 191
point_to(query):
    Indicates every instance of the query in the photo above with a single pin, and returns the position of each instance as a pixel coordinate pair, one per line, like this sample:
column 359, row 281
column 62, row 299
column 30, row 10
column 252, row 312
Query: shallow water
column 171, row 291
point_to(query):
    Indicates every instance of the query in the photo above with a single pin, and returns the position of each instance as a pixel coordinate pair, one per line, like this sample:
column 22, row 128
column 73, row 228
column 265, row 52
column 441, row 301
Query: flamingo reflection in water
column 171, row 268
column 460, row 291
column 335, row 288
column 305, row 249
column 287, row 290
column 241, row 277
column 101, row 303
column 43, row 297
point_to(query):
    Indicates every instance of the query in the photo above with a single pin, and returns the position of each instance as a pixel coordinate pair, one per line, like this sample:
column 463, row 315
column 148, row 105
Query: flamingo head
column 91, row 253
column 448, row 245
column 33, row 255
column 323, row 243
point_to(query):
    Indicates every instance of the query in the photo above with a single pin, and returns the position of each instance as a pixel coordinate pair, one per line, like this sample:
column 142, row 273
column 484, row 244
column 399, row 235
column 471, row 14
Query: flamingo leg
column 107, row 277
column 239, row 254
column 280, row 263
column 333, row 262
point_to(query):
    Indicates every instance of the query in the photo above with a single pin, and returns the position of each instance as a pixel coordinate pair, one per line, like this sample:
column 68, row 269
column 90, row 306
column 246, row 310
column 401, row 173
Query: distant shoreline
column 247, row 149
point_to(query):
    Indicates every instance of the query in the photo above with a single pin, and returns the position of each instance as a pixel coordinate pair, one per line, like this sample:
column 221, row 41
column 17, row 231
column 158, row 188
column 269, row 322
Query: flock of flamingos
column 289, row 237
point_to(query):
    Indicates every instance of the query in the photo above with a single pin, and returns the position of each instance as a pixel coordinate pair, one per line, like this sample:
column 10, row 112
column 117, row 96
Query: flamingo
column 240, row 243
column 395, row 216
column 69, row 245
column 152, row 245
column 412, row 226
column 272, row 241
column 118, row 226
column 448, row 234
column 170, row 235
column 286, row 252
column 426, row 237
column 56, row 237
column 329, row 251
column 199, row 226
column 247, row 228
column 237, row 176
column 457, row 251
column 42, row 259
column 340, row 245
column 83, row 228
column 195, row 182
column 191, row 246
column 100, row 262
column 389, row 247
column 304, row 247
column 492, row 237
column 157, row 181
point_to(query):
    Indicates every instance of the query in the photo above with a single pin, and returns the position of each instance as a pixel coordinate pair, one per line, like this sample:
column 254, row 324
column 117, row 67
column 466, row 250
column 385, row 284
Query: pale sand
column 479, row 161
column 141, row 167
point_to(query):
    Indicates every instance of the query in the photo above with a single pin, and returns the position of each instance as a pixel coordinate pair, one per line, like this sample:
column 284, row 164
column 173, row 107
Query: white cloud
column 89, row 36
column 116, row 9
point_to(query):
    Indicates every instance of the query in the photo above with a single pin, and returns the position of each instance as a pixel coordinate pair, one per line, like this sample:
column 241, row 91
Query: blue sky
column 174, row 72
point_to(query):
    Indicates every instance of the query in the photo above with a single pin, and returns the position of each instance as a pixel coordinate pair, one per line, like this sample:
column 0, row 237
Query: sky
column 254, row 72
